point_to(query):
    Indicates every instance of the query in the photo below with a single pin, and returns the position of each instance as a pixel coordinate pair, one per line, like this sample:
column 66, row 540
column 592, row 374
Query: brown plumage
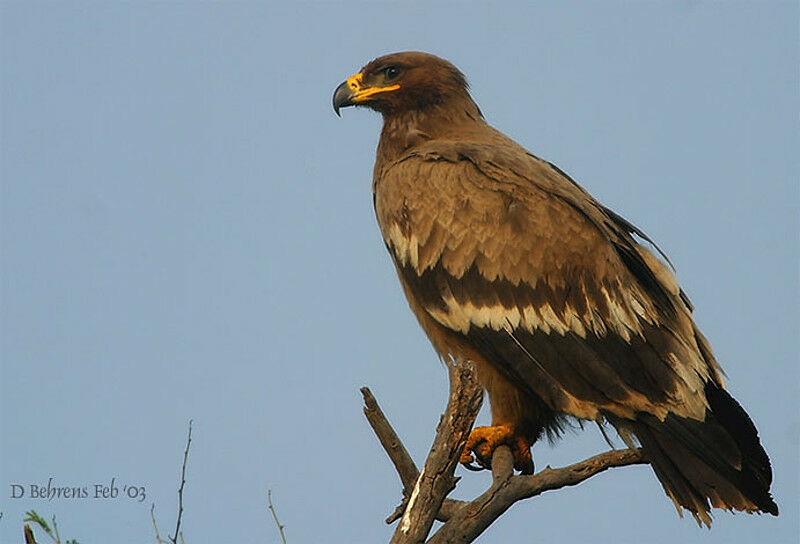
column 508, row 262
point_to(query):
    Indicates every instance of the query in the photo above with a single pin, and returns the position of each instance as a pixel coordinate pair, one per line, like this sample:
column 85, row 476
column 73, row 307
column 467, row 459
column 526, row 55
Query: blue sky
column 186, row 231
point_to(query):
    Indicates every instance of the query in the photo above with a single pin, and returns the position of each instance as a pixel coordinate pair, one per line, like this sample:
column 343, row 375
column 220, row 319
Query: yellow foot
column 483, row 441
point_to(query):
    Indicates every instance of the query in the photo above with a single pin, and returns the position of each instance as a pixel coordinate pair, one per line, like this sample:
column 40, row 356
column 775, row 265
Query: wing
column 505, row 251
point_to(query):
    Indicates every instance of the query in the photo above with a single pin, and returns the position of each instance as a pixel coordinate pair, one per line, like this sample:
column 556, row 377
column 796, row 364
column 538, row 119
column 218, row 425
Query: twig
column 275, row 516
column 159, row 540
column 174, row 539
column 55, row 530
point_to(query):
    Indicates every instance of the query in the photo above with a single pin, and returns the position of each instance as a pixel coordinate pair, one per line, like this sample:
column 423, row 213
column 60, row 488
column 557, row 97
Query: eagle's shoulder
column 492, row 188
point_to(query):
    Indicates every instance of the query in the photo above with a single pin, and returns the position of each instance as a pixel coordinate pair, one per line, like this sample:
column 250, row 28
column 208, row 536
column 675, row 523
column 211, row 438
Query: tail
column 717, row 463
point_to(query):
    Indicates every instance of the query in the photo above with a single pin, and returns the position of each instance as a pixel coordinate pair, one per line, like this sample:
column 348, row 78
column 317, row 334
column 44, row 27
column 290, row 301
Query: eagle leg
column 482, row 442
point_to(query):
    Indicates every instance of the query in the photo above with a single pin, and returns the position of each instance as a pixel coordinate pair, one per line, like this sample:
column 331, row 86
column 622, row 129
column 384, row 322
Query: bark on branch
column 425, row 494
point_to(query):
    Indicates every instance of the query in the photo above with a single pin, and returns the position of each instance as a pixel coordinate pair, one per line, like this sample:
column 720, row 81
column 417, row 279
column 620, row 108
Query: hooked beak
column 354, row 91
column 342, row 97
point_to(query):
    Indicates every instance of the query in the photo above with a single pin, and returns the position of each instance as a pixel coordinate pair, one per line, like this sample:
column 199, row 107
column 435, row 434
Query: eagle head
column 400, row 82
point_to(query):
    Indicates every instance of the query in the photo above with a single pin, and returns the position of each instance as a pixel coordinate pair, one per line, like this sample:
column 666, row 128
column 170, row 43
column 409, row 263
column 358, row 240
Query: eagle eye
column 391, row 72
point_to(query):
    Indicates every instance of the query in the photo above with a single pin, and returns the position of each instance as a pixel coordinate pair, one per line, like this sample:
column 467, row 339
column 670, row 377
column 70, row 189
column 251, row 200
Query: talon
column 482, row 442
column 466, row 457
column 523, row 460
column 472, row 467
column 483, row 452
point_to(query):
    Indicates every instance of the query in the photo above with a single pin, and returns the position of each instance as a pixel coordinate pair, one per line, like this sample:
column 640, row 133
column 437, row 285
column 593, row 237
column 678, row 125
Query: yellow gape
column 361, row 93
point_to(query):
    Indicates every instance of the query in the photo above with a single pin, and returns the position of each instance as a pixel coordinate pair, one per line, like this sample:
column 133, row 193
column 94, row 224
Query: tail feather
column 716, row 463
column 732, row 416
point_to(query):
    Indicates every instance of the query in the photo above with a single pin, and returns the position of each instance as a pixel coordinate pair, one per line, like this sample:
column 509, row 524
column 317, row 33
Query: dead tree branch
column 436, row 480
column 506, row 489
column 405, row 466
column 403, row 463
column 424, row 494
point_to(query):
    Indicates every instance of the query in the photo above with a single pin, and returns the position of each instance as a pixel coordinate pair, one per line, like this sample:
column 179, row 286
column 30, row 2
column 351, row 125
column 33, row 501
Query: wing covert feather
column 507, row 251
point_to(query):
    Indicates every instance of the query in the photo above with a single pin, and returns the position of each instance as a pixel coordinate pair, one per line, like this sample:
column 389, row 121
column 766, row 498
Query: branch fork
column 425, row 494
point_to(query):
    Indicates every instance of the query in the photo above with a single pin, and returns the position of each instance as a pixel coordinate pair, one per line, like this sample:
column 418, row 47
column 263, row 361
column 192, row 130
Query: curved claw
column 523, row 460
column 471, row 466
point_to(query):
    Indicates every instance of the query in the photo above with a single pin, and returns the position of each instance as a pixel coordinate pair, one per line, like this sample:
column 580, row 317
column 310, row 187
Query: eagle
column 561, row 304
